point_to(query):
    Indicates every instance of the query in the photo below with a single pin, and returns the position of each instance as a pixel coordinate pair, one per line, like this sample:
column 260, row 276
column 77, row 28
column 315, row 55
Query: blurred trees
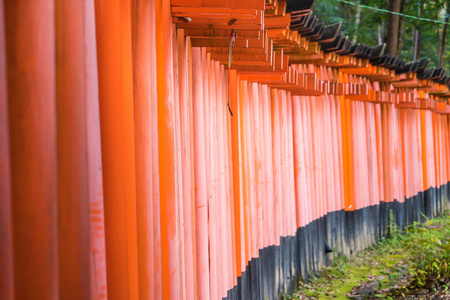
column 405, row 37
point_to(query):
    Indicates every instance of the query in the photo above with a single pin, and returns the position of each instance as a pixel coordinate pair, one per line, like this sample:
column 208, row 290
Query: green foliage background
column 332, row 11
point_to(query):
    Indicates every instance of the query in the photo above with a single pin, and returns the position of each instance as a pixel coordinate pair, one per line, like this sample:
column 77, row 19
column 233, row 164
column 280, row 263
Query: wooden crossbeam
column 248, row 4
column 243, row 58
column 217, row 42
column 207, row 24
column 212, row 10
column 277, row 21
column 219, row 33
column 266, row 47
column 263, row 77
column 228, row 19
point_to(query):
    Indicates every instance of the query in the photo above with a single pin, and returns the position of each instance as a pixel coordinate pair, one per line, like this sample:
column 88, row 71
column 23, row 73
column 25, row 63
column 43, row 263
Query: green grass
column 399, row 260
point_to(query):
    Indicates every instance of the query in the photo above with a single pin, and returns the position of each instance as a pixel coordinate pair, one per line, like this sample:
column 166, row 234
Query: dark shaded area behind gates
column 278, row 269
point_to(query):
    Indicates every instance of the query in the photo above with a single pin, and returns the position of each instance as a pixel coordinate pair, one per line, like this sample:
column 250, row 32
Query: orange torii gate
column 123, row 174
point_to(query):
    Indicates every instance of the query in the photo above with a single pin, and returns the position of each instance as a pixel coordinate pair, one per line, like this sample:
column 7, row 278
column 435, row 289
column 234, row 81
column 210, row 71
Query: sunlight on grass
column 398, row 266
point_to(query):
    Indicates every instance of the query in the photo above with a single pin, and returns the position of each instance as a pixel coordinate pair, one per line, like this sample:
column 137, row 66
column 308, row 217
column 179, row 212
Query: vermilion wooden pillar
column 211, row 178
column 347, row 154
column 276, row 149
column 178, row 175
column 201, row 204
column 290, row 159
column 113, row 27
column 30, row 40
column 244, row 203
column 299, row 161
column 94, row 160
column 236, row 151
column 170, row 235
column 72, row 159
column 144, row 67
column 6, row 240
column 187, row 142
column 82, row 258
column 155, row 158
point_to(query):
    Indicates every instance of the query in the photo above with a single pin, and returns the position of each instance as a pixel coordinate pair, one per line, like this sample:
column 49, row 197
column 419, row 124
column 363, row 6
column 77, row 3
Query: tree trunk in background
column 444, row 34
column 401, row 26
column 418, row 38
column 380, row 34
column 357, row 21
column 417, row 44
column 438, row 36
column 393, row 28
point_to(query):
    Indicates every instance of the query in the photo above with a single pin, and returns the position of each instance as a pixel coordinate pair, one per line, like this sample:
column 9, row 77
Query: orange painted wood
column 215, row 220
column 114, row 43
column 192, row 209
column 417, row 141
column 245, row 202
column 299, row 161
column 212, row 10
column 372, row 155
column 30, row 41
column 6, row 213
column 237, row 172
column 364, row 131
column 445, row 145
column 262, row 77
column 307, row 132
column 251, row 4
column 219, row 23
column 217, row 33
column 347, row 154
column 240, row 58
column 398, row 157
column 224, row 175
column 337, row 136
column 259, row 43
column 188, row 196
column 390, row 151
column 406, row 168
column 251, row 171
column 267, row 49
column 338, row 124
column 277, row 181
column 234, row 233
column 385, row 151
column 284, row 163
column 96, row 203
column 268, row 163
column 257, row 167
column 201, row 204
column 278, row 21
column 317, row 154
column 435, row 121
column 290, row 160
column 379, row 150
column 222, row 203
column 214, row 15
column 178, row 169
column 327, row 177
column 168, row 168
column 82, row 260
column 210, row 175
column 191, row 193
column 144, row 101
column 333, row 168
column 156, row 227
column 218, row 42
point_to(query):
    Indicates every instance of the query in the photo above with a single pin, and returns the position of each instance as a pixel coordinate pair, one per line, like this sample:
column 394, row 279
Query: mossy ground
column 389, row 264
